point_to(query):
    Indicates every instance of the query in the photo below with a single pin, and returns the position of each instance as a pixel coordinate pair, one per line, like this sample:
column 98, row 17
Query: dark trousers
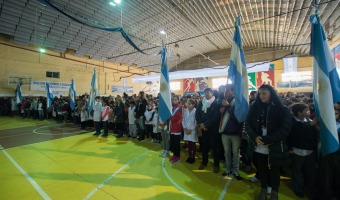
column 244, row 152
column 148, row 130
column 105, row 125
column 212, row 139
column 192, row 149
column 268, row 176
column 304, row 173
column 175, row 142
column 98, row 127
column 120, row 128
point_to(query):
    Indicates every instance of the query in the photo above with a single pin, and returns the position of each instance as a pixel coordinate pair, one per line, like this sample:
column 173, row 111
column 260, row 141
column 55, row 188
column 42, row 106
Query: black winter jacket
column 211, row 119
column 278, row 123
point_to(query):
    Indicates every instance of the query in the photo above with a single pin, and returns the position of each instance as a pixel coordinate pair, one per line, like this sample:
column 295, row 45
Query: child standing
column 175, row 129
column 132, row 120
column 302, row 140
column 148, row 122
column 105, row 117
column 155, row 130
column 189, row 125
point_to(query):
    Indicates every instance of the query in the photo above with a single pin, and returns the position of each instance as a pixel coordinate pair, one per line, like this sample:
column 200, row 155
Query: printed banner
column 127, row 89
column 252, row 81
column 188, row 85
column 266, row 77
column 201, row 84
column 55, row 86
column 336, row 53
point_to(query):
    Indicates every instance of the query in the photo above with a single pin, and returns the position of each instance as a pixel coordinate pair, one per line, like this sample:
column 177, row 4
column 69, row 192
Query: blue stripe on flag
column 239, row 76
column 49, row 95
column 165, row 106
column 72, row 94
column 93, row 91
column 18, row 94
column 326, row 87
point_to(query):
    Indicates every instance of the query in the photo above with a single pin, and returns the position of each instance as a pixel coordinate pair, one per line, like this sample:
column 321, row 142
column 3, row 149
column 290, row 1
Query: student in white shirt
column 189, row 125
column 155, row 124
column 132, row 120
column 105, row 110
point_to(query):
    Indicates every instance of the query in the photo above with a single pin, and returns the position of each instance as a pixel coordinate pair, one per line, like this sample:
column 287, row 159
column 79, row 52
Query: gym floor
column 49, row 160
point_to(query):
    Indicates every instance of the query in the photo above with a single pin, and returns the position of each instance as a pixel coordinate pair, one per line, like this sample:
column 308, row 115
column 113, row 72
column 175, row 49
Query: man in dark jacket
column 139, row 114
column 207, row 117
column 231, row 131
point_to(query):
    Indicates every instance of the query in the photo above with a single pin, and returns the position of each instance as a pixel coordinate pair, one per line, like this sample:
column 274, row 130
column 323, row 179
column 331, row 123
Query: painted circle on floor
column 57, row 129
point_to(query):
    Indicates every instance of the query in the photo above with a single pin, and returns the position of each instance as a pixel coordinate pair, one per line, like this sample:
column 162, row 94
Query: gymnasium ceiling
column 199, row 32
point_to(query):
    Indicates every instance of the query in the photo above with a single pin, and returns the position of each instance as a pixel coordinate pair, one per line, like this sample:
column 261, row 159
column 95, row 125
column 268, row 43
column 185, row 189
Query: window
column 53, row 74
column 216, row 82
column 175, row 86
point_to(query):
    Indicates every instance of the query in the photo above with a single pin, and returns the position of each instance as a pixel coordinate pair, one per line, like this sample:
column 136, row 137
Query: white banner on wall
column 55, row 86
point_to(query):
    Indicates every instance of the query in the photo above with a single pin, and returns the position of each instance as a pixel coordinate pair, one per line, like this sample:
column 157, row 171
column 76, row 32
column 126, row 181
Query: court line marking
column 56, row 125
column 42, row 193
column 225, row 188
column 176, row 185
column 117, row 172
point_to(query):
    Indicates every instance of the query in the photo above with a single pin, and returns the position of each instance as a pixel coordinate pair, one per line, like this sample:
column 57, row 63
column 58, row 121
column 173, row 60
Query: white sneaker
column 254, row 179
column 162, row 152
column 269, row 190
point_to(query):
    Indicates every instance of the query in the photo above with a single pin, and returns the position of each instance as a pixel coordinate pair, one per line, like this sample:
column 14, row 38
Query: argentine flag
column 18, row 94
column 93, row 91
column 49, row 95
column 326, row 87
column 237, row 73
column 165, row 106
column 72, row 94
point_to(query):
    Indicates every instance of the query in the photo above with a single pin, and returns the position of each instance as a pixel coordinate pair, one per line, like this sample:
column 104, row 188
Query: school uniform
column 132, row 122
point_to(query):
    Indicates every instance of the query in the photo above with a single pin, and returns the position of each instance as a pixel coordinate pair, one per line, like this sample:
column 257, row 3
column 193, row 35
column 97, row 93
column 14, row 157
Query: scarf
column 207, row 103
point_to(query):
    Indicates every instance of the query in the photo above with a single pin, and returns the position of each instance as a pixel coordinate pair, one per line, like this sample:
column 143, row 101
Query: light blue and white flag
column 18, row 94
column 49, row 95
column 326, row 87
column 93, row 91
column 237, row 73
column 165, row 106
column 72, row 94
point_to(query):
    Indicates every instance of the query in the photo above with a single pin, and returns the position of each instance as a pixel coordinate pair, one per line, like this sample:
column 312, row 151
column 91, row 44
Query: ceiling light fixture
column 42, row 50
column 162, row 32
column 112, row 4
column 117, row 1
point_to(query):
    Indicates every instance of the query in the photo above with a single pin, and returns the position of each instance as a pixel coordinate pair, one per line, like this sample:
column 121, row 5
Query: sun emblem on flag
column 163, row 86
column 72, row 95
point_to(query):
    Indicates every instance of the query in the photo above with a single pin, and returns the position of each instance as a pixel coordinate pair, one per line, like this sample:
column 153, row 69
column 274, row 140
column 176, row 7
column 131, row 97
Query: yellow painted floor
column 86, row 167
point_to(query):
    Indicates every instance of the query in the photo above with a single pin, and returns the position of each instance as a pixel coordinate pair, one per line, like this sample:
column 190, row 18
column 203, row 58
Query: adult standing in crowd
column 119, row 116
column 207, row 117
column 97, row 115
column 231, row 131
column 139, row 112
column 268, row 125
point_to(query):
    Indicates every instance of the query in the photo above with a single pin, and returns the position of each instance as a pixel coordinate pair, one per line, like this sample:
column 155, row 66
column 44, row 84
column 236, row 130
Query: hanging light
column 112, row 4
column 42, row 50
column 117, row 1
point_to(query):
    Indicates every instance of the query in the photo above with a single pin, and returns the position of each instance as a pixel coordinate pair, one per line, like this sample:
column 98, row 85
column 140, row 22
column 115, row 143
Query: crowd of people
column 280, row 131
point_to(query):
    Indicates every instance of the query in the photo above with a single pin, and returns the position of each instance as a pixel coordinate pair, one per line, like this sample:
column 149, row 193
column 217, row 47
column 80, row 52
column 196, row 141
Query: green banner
column 252, row 81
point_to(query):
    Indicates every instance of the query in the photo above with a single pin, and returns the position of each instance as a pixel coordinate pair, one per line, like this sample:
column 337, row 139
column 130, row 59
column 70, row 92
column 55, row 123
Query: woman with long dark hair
column 268, row 125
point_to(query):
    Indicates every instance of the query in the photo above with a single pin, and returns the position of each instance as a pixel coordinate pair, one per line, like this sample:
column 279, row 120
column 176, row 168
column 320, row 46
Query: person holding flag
column 234, row 108
column 165, row 105
column 326, row 89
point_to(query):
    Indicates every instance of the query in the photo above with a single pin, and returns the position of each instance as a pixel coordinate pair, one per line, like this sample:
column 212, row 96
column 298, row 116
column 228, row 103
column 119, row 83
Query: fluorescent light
column 117, row 1
column 112, row 4
column 162, row 32
column 42, row 50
